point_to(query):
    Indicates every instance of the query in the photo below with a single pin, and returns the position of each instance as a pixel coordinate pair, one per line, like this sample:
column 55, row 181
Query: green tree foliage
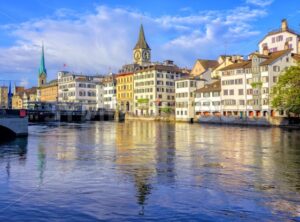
column 286, row 92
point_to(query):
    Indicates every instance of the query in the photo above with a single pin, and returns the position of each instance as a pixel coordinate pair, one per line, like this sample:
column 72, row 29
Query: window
column 215, row 94
column 242, row 102
column 241, row 92
column 225, row 92
column 265, row 79
column 273, row 40
column 279, row 38
column 207, row 94
column 276, row 68
column 249, row 91
column 231, row 92
column 275, row 78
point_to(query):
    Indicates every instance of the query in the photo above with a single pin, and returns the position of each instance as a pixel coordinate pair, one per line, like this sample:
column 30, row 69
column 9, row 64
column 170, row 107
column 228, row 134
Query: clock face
column 137, row 55
column 146, row 55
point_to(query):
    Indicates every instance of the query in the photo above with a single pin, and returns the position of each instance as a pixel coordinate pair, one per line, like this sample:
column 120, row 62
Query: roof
column 208, row 63
column 296, row 57
column 212, row 87
column 238, row 65
column 274, row 56
column 124, row 74
column 42, row 68
column 188, row 77
column 49, row 84
column 142, row 43
column 159, row 67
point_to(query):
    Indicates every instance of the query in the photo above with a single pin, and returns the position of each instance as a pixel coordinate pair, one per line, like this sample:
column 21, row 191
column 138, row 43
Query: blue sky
column 94, row 36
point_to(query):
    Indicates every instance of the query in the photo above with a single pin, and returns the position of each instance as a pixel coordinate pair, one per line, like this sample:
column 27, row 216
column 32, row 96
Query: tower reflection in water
column 144, row 152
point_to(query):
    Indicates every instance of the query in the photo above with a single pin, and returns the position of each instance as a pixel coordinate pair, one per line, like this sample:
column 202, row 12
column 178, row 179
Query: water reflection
column 158, row 171
column 15, row 149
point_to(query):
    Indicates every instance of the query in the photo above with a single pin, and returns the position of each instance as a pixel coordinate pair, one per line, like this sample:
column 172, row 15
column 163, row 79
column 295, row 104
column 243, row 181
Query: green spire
column 42, row 69
column 142, row 44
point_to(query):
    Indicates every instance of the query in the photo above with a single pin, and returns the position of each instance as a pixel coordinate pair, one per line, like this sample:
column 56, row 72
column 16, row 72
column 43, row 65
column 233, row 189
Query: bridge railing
column 12, row 113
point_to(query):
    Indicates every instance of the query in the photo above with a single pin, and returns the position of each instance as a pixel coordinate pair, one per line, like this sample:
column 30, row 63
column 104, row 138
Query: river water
column 143, row 171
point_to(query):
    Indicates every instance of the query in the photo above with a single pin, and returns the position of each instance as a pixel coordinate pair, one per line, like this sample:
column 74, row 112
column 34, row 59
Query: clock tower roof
column 142, row 43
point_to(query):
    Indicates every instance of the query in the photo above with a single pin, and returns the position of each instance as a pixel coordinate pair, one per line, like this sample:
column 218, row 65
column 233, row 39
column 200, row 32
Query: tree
column 286, row 92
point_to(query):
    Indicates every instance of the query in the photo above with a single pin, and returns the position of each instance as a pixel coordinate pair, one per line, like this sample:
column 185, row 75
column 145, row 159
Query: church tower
column 42, row 70
column 141, row 51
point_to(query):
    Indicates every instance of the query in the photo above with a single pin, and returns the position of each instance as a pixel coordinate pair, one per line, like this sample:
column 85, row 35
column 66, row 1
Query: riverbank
column 282, row 122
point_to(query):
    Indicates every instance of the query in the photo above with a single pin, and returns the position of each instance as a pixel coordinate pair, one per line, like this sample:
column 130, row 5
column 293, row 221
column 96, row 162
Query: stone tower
column 142, row 51
column 42, row 70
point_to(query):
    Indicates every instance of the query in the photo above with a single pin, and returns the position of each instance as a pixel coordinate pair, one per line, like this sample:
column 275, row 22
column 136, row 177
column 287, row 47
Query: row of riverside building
column 232, row 85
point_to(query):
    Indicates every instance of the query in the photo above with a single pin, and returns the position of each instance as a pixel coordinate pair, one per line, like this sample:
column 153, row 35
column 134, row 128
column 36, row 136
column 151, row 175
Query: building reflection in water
column 42, row 155
column 142, row 152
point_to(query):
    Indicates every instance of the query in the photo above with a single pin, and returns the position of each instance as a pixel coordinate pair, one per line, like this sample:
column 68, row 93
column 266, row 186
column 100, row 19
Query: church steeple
column 142, row 43
column 142, row 51
column 42, row 69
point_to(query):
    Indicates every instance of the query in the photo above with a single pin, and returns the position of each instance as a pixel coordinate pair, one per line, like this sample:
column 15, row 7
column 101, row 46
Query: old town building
column 154, row 88
column 3, row 97
column 109, row 89
column 246, row 85
column 49, row 91
column 185, row 89
column 208, row 99
column 78, row 88
column 281, row 39
column 125, row 91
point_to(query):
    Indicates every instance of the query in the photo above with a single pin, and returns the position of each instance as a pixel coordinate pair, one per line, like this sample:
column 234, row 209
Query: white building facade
column 154, row 88
column 185, row 97
column 208, row 99
column 110, row 92
column 246, row 86
column 280, row 39
column 79, row 89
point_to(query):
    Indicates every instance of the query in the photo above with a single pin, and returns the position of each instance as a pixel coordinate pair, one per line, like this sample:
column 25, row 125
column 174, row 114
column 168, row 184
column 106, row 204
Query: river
column 147, row 171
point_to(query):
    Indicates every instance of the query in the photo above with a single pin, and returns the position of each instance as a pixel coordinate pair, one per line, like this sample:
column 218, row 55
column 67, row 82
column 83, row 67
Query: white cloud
column 261, row 3
column 93, row 42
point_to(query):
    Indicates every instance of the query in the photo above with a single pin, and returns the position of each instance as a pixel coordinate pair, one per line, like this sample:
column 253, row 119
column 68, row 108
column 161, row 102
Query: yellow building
column 125, row 92
column 17, row 101
column 49, row 92
column 3, row 97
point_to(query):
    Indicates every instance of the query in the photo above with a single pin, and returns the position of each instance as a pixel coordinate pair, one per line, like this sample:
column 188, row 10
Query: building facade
column 100, row 96
column 125, row 91
column 3, row 97
column 49, row 92
column 110, row 92
column 208, row 99
column 246, row 86
column 185, row 97
column 281, row 39
column 81, row 89
column 154, row 88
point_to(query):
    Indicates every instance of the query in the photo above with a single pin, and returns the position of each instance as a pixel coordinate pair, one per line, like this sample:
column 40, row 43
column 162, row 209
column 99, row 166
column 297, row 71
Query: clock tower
column 141, row 51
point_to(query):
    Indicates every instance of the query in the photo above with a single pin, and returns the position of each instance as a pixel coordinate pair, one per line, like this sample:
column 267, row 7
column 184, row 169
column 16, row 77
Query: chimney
column 284, row 25
column 266, row 50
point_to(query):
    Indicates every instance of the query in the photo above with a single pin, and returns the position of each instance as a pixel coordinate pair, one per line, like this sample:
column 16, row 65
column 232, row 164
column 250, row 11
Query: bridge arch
column 6, row 133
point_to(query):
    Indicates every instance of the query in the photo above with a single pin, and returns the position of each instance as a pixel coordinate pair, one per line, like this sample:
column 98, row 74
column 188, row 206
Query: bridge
column 13, row 123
